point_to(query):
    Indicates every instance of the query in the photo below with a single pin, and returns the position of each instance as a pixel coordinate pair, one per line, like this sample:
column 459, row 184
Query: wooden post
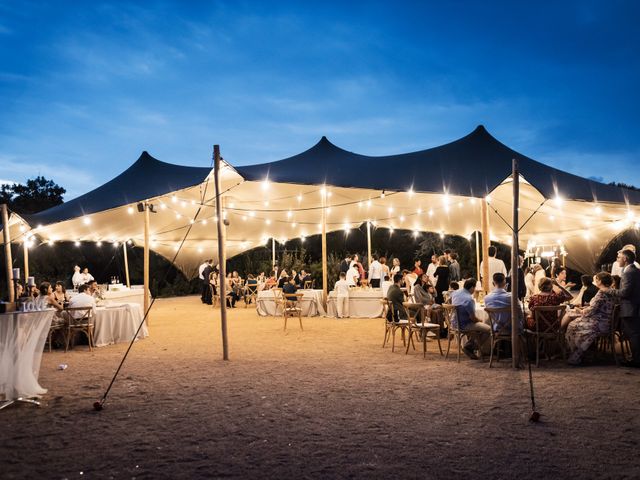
column 369, row 243
column 7, row 253
column 222, row 257
column 146, row 262
column 25, row 254
column 478, row 255
column 486, row 242
column 515, row 268
column 126, row 264
column 273, row 254
column 324, row 246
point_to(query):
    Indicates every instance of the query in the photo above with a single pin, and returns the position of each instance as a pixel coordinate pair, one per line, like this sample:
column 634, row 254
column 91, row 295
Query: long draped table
column 311, row 303
column 22, row 339
column 362, row 303
column 118, row 323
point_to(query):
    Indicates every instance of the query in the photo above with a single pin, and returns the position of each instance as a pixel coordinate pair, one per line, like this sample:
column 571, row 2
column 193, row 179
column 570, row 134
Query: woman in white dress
column 395, row 268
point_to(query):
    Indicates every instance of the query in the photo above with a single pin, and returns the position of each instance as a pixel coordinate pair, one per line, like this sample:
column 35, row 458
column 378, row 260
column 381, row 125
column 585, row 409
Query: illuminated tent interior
column 440, row 189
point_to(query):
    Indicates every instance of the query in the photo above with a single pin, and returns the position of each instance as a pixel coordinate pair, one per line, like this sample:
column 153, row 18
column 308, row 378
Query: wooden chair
column 308, row 284
column 250, row 293
column 291, row 308
column 418, row 325
column 607, row 340
column 616, row 326
column 59, row 324
column 547, row 328
column 500, row 333
column 392, row 326
column 454, row 332
column 215, row 299
column 78, row 319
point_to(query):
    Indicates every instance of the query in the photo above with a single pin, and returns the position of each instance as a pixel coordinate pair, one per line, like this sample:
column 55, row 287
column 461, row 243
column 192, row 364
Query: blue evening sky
column 86, row 86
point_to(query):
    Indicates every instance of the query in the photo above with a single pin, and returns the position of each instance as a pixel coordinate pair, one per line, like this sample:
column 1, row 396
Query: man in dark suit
column 630, row 304
column 346, row 263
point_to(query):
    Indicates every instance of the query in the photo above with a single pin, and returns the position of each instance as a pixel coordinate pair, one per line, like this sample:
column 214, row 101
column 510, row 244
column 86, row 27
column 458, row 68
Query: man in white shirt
column 385, row 286
column 353, row 275
column 495, row 265
column 616, row 269
column 76, row 280
column 342, row 296
column 85, row 276
column 81, row 300
column 375, row 272
column 431, row 269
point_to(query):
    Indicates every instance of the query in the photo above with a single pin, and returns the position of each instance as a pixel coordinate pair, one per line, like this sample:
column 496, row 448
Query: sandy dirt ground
column 326, row 402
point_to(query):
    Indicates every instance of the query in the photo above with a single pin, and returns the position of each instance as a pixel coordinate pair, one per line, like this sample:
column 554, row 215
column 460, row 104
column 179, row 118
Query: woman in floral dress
column 594, row 319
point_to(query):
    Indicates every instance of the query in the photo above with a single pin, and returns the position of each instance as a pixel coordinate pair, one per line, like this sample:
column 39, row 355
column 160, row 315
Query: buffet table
column 117, row 323
column 125, row 295
column 362, row 304
column 22, row 339
column 311, row 303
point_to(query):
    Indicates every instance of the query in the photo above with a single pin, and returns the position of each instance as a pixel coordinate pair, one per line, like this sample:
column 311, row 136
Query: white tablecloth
column 116, row 324
column 362, row 304
column 311, row 303
column 22, row 339
column 125, row 296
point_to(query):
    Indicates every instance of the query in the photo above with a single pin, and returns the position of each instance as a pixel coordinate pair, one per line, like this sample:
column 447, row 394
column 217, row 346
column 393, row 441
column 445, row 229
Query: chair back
column 449, row 312
column 308, row 284
column 79, row 316
column 386, row 305
column 499, row 329
column 413, row 311
column 252, row 289
column 615, row 326
column 548, row 318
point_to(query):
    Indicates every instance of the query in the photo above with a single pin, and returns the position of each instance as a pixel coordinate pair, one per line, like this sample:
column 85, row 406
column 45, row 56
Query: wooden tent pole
column 126, row 264
column 25, row 256
column 515, row 268
column 369, row 244
column 273, row 254
column 478, row 273
column 146, row 262
column 222, row 257
column 486, row 242
column 7, row 253
column 324, row 246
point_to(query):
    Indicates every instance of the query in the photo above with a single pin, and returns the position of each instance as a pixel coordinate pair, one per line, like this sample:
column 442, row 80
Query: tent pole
column 222, row 257
column 368, row 243
column 7, row 253
column 515, row 268
column 273, row 254
column 478, row 255
column 25, row 256
column 486, row 242
column 126, row 263
column 324, row 247
column 146, row 262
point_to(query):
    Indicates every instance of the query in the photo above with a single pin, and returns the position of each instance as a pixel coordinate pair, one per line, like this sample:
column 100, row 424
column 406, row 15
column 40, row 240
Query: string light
column 204, row 222
column 130, row 210
column 163, row 206
column 252, row 213
column 382, row 194
column 473, row 200
column 265, row 184
column 369, row 203
column 174, row 199
column 76, row 243
column 289, row 214
column 401, row 218
column 598, row 209
column 98, row 243
column 410, row 192
column 431, row 212
column 488, row 198
column 22, row 228
column 86, row 220
column 299, row 197
column 178, row 216
column 267, row 221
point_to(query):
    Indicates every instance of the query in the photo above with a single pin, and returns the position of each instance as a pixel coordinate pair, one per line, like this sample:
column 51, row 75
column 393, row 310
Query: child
column 342, row 296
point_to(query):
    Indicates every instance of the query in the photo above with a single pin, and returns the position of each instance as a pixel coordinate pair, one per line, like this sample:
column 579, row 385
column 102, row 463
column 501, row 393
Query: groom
column 630, row 304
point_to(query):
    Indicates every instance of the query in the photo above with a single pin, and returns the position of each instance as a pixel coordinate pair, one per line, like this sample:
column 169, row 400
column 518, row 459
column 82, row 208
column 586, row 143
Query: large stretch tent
column 442, row 189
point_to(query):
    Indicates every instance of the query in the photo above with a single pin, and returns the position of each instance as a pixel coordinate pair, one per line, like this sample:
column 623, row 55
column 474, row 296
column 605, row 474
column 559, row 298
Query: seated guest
column 587, row 291
column 271, row 281
column 46, row 298
column 289, row 287
column 465, row 318
column 500, row 298
column 594, row 319
column 417, row 267
column 60, row 293
column 616, row 281
column 561, row 278
column 303, row 278
column 33, row 292
column 93, row 288
column 551, row 294
column 420, row 293
column 386, row 283
column 396, row 297
column 283, row 278
column 81, row 300
column 232, row 294
column 453, row 286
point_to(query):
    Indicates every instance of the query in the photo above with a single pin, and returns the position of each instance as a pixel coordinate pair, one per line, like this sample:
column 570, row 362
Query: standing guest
column 500, row 298
column 46, row 299
column 356, row 258
column 342, row 296
column 385, row 268
column 629, row 294
column 554, row 267
column 593, row 320
column 587, row 291
column 289, row 288
column 82, row 300
column 214, row 281
column 85, row 276
column 386, row 283
column 561, row 278
column 60, row 293
column 454, row 267
column 76, row 279
column 551, row 294
column 417, row 267
column 232, row 294
column 529, row 281
column 442, row 279
column 495, row 264
column 352, row 274
column 431, row 269
column 396, row 297
column 344, row 265
column 616, row 270
column 395, row 267
column 538, row 275
column 522, row 287
column 465, row 318
column 375, row 272
column 204, row 279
